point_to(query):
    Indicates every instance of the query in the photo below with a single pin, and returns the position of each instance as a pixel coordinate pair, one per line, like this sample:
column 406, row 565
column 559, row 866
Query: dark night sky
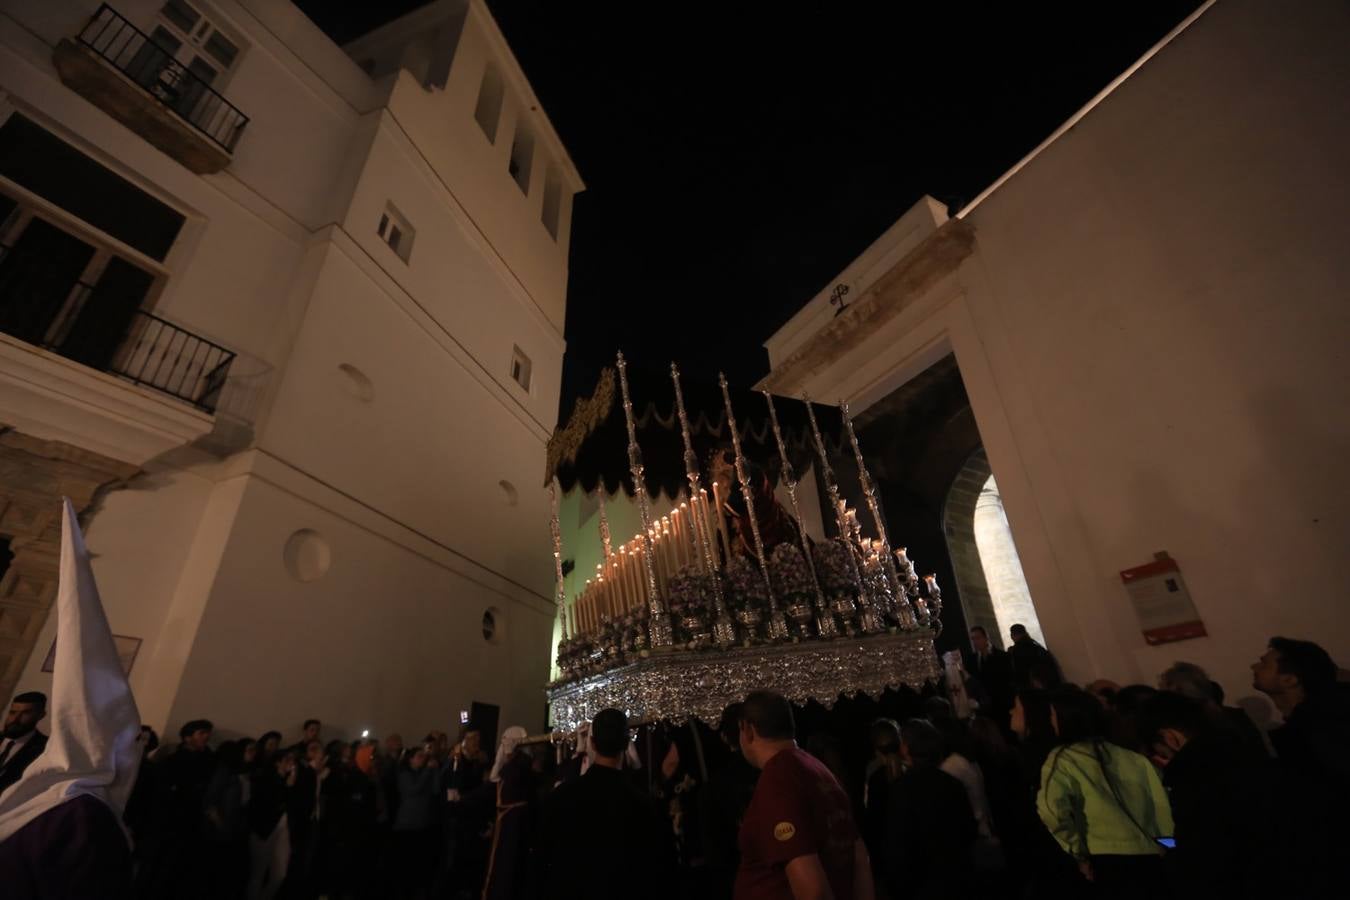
column 737, row 159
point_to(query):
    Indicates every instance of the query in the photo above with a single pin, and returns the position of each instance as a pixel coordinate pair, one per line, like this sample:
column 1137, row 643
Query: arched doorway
column 988, row 572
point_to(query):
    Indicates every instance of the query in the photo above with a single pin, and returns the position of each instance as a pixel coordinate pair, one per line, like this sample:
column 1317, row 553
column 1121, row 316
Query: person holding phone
column 1103, row 804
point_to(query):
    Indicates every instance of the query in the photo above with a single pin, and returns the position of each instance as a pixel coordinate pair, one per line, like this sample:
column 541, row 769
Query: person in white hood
column 61, row 832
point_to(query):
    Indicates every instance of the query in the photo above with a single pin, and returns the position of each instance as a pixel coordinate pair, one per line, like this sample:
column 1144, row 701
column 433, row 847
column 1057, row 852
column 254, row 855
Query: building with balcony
column 284, row 319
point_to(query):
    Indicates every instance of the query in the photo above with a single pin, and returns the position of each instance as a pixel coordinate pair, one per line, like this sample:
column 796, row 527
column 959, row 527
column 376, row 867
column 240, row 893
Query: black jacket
column 1311, row 745
column 1029, row 658
column 266, row 802
column 598, row 839
column 993, row 676
column 20, row 759
column 929, row 835
column 1233, row 821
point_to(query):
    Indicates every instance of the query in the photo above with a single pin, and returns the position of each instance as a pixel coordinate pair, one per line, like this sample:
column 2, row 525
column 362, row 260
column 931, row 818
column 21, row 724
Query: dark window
column 38, row 276
column 51, row 168
column 6, row 556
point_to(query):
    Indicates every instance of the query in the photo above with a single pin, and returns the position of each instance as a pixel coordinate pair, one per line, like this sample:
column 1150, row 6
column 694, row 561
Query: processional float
column 697, row 609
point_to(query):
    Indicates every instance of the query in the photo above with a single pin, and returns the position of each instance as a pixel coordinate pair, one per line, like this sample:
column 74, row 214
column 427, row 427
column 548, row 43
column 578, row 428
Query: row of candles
column 620, row 584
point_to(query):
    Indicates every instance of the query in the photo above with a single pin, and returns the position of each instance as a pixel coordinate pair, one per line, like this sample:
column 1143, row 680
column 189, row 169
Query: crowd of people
column 1005, row 780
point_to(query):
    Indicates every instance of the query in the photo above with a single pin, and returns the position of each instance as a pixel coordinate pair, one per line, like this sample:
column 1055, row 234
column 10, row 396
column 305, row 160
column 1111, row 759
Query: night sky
column 738, row 156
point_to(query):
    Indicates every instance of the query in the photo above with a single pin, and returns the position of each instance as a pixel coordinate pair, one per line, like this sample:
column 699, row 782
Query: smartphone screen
column 1169, row 843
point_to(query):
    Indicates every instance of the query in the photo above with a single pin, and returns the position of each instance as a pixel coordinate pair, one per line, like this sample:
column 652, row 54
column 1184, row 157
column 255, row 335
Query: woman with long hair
column 1103, row 804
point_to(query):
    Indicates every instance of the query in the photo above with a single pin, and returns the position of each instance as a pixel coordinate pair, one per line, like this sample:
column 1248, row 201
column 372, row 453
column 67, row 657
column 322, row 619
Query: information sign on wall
column 1162, row 603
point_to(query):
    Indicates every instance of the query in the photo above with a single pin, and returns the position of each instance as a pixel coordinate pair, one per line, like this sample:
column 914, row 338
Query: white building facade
column 285, row 320
column 1149, row 318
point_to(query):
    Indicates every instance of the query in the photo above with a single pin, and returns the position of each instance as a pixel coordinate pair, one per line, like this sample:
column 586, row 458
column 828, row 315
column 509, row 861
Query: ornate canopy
column 591, row 449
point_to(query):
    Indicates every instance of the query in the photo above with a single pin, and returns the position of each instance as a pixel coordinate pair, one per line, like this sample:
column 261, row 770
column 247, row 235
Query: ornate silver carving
column 659, row 622
column 825, row 623
column 677, row 686
column 832, row 488
column 777, row 627
column 560, row 590
column 724, row 631
column 905, row 612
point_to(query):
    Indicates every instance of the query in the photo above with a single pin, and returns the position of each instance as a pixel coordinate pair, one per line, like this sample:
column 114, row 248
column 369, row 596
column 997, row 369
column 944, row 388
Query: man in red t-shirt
column 798, row 840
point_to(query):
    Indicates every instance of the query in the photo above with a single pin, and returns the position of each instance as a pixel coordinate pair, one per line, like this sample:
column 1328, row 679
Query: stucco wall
column 387, row 639
column 1152, row 330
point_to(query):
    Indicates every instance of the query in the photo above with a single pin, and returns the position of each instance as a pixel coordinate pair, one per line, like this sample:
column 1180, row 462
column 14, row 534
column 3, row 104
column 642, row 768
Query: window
column 63, row 288
column 488, row 112
column 39, row 161
column 520, row 368
column 183, row 34
column 522, row 156
column 395, row 231
column 184, row 39
column 552, row 202
column 64, row 285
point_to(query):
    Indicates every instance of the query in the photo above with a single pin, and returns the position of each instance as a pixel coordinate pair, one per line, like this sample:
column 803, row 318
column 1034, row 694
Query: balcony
column 118, row 68
column 113, row 378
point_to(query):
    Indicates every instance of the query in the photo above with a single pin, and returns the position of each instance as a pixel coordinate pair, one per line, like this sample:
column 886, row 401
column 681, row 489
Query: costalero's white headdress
column 511, row 739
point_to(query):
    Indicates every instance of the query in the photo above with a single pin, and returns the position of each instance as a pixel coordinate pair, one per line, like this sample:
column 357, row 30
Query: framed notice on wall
column 127, row 648
column 1162, row 603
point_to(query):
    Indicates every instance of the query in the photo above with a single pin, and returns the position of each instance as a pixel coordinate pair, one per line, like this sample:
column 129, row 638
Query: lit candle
column 630, row 565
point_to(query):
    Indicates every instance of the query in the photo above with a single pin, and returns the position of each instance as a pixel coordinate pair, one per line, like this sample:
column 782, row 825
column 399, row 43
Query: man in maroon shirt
column 798, row 839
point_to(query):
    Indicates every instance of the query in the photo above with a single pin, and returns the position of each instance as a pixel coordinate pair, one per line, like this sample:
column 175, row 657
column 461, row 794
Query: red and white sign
column 1161, row 601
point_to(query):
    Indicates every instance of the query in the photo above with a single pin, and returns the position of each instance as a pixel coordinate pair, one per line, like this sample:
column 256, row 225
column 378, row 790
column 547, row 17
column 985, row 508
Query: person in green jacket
column 1105, row 805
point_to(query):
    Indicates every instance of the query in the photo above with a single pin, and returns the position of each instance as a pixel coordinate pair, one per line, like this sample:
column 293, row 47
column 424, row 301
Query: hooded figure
column 513, row 779
column 61, row 832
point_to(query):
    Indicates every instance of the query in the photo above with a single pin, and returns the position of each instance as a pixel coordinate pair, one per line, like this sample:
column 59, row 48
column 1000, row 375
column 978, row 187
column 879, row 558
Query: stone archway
column 34, row 476
column 989, row 577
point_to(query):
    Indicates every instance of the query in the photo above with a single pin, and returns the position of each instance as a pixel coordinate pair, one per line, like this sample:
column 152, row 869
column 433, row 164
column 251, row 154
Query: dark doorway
column 916, row 440
column 104, row 320
column 483, row 717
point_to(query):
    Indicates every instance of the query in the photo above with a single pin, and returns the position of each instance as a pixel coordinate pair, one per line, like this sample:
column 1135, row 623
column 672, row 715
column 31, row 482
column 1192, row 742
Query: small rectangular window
column 552, row 202
column 395, row 231
column 520, row 368
column 522, row 157
column 488, row 112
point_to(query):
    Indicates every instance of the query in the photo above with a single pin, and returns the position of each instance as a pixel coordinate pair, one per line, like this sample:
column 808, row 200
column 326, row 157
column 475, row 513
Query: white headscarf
column 511, row 739
column 94, row 747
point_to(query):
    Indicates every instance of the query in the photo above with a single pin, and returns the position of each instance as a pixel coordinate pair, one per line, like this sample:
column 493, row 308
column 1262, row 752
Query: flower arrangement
column 791, row 577
column 745, row 585
column 834, row 570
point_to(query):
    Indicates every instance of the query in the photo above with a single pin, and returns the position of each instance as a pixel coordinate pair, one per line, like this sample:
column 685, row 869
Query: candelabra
column 605, row 542
column 560, row 588
column 777, row 625
column 869, row 492
column 724, row 631
column 832, row 488
column 659, row 621
column 825, row 623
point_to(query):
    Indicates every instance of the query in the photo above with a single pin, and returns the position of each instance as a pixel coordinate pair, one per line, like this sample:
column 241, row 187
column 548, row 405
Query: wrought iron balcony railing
column 105, row 329
column 133, row 53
